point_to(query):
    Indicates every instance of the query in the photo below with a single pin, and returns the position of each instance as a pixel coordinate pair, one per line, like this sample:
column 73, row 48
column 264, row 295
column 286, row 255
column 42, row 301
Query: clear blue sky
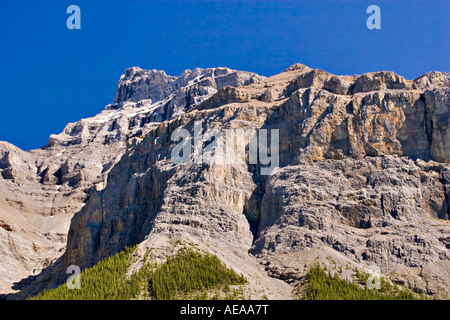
column 51, row 75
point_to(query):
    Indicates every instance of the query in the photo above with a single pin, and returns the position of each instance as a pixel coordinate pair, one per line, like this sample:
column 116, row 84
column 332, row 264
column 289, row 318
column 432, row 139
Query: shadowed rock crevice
column 252, row 206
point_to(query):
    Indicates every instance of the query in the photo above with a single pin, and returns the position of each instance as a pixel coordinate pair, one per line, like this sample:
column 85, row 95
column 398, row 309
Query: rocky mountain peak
column 297, row 67
column 137, row 84
column 433, row 79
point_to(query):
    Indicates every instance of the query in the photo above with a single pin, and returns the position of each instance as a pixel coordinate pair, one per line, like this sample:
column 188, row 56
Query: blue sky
column 51, row 75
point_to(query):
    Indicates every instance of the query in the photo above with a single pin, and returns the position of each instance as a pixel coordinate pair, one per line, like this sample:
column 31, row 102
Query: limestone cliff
column 363, row 170
column 363, row 177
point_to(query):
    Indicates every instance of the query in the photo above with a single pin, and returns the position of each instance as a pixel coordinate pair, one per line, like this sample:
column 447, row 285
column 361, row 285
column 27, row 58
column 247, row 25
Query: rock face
column 375, row 209
column 40, row 190
column 363, row 174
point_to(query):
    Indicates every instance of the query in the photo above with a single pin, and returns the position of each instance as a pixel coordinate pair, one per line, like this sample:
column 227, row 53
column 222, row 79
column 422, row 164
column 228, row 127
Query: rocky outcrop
column 375, row 209
column 186, row 91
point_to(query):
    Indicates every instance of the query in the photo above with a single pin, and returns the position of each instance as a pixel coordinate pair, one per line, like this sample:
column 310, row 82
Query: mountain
column 362, row 179
column 42, row 189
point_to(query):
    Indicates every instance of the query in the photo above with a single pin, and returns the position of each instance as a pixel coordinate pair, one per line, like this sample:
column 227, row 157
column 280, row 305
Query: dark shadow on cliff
column 252, row 207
